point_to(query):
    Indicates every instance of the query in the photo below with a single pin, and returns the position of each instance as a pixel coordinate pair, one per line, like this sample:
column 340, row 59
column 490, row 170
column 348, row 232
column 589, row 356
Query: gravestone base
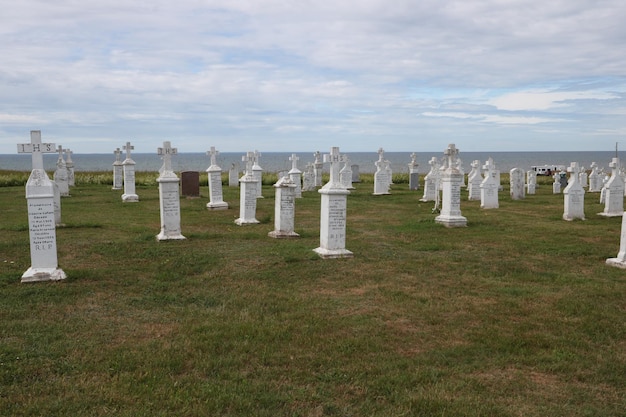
column 241, row 222
column 43, row 274
column 617, row 262
column 130, row 198
column 165, row 236
column 611, row 214
column 333, row 253
column 221, row 205
column 279, row 234
column 451, row 221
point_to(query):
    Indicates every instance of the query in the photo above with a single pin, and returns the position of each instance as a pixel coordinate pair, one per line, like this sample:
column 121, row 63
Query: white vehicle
column 547, row 169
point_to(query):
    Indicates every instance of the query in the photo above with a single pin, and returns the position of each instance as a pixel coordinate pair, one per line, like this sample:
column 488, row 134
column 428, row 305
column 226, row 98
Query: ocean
column 278, row 161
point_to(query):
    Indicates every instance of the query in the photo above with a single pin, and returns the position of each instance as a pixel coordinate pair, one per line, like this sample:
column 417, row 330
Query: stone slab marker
column 556, row 185
column 284, row 209
column 247, row 193
column 431, row 181
column 531, row 182
column 345, row 175
column 595, row 182
column 215, row 183
column 489, row 187
column 129, row 176
column 451, row 182
column 190, row 184
column 60, row 174
column 41, row 217
column 258, row 174
column 169, row 198
column 620, row 261
column 233, row 175
column 381, row 176
column 333, row 212
column 296, row 175
column 614, row 197
column 574, row 195
column 118, row 179
column 308, row 178
column 516, row 181
column 69, row 164
column 414, row 175
column 356, row 175
column 318, row 165
column 474, row 178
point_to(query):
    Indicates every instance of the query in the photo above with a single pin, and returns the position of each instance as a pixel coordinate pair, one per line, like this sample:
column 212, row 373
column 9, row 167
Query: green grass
column 515, row 315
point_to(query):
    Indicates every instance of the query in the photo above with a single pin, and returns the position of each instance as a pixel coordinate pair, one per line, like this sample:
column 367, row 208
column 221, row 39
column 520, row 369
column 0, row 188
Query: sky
column 300, row 75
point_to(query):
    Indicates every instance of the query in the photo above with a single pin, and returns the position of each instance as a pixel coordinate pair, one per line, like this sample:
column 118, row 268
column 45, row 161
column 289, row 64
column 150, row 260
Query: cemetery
column 497, row 318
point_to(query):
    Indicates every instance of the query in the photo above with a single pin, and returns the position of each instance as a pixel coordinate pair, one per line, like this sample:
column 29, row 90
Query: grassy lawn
column 515, row 315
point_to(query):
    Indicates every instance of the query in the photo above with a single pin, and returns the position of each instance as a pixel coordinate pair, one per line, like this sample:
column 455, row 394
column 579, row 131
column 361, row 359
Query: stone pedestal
column 574, row 196
column 614, row 194
column 247, row 194
column 318, row 165
column 414, row 176
column 215, row 189
column 190, row 184
column 169, row 201
column 620, row 261
column 296, row 175
column 451, row 182
column 128, row 166
column 284, row 209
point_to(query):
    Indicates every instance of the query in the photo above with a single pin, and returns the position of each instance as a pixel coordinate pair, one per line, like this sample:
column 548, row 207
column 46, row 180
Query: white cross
column 60, row 150
column 128, row 148
column 117, row 153
column 36, row 148
column 413, row 158
column 317, row 155
column 248, row 158
column 257, row 155
column 615, row 166
column 294, row 161
column 381, row 153
column 68, row 155
column 335, row 160
column 166, row 152
column 213, row 152
column 451, row 152
column 489, row 166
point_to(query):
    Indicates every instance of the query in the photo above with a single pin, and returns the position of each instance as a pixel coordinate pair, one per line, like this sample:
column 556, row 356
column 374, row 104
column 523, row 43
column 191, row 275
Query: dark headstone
column 190, row 183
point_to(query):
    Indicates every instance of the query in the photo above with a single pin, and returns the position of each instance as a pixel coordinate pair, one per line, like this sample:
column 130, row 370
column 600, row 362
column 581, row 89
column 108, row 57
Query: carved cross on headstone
column 475, row 164
column 118, row 154
column 166, row 152
column 489, row 166
column 451, row 153
column 294, row 161
column 574, row 170
column 60, row 150
column 413, row 158
column 317, row 155
column 335, row 159
column 68, row 155
column 128, row 147
column 36, row 148
column 213, row 153
column 256, row 156
column 248, row 158
column 381, row 154
column 615, row 166
column 433, row 162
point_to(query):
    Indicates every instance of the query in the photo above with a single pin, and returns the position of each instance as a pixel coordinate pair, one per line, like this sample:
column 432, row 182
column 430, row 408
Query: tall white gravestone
column 317, row 168
column 345, row 174
column 233, row 175
column 214, row 173
column 556, row 185
column 258, row 174
column 431, row 181
column 60, row 174
column 118, row 179
column 489, row 187
column 69, row 164
column 531, row 182
column 284, row 209
column 595, row 181
column 333, row 212
column 41, row 218
column 247, row 193
column 129, row 176
column 620, row 261
column 516, row 181
column 169, row 197
column 308, row 178
column 414, row 175
column 451, row 182
column 381, row 176
column 474, row 179
column 296, row 175
column 614, row 198
column 574, row 195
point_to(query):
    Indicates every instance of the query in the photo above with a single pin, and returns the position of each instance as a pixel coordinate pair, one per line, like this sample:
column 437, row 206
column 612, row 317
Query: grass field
column 515, row 315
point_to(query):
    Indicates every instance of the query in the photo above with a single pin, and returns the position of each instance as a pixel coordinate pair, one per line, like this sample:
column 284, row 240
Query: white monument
column 583, row 177
column 381, row 176
column 214, row 173
column 474, row 179
column 60, row 176
column 451, row 181
column 595, row 181
column 620, row 261
column 574, row 195
column 489, row 187
column 233, row 175
column 431, row 181
column 531, row 182
column 296, row 175
column 257, row 171
column 333, row 211
column 169, row 197
column 69, row 164
column 414, row 175
column 556, row 185
column 118, row 179
column 308, row 178
column 284, row 208
column 345, row 174
column 614, row 197
column 247, row 193
column 41, row 220
column 317, row 168
column 516, row 180
column 129, row 176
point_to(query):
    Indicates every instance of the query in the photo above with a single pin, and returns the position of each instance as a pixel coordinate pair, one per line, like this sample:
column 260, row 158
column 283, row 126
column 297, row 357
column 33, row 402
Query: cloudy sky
column 300, row 75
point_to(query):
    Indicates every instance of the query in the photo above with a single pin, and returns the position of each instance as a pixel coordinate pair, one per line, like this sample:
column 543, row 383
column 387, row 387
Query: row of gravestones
column 41, row 210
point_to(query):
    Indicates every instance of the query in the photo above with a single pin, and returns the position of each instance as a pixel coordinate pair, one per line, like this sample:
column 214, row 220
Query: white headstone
column 333, row 212
column 583, row 177
column 214, row 174
column 473, row 181
column 69, row 164
column 257, row 171
column 451, row 181
column 169, row 197
column 317, row 168
column 431, row 181
column 356, row 175
column 247, row 193
column 414, row 175
column 308, row 178
column 381, row 176
column 346, row 174
column 233, row 175
column 129, row 176
column 614, row 197
column 60, row 176
column 620, row 261
column 516, row 180
column 574, row 195
column 41, row 217
column 284, row 209
column 531, row 182
column 489, row 187
column 595, row 181
column 296, row 175
column 118, row 179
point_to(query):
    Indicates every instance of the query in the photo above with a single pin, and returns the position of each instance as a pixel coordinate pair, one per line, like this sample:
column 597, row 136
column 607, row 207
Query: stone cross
column 68, row 155
column 381, row 153
column 335, row 160
column 413, row 158
column 489, row 166
column 60, row 150
column 128, row 148
column 433, row 161
column 166, row 152
column 257, row 155
column 36, row 148
column 317, row 155
column 451, row 153
column 615, row 166
column 248, row 158
column 117, row 153
column 294, row 161
column 213, row 152
column 574, row 169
